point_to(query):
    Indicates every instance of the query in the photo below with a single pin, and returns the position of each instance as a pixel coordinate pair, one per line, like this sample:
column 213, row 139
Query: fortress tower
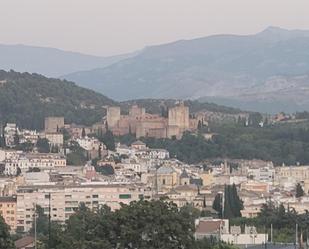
column 136, row 111
column 112, row 116
column 178, row 121
column 179, row 116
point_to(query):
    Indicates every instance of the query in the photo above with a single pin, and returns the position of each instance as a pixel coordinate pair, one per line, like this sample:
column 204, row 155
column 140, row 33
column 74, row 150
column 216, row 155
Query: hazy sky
column 107, row 27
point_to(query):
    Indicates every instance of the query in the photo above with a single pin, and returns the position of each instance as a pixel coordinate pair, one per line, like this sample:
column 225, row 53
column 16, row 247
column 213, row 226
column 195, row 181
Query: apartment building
column 299, row 173
column 33, row 160
column 62, row 201
column 8, row 211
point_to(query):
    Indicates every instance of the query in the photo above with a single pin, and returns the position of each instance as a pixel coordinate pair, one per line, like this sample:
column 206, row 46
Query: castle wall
column 151, row 125
column 142, row 124
column 179, row 116
column 136, row 112
column 113, row 116
column 53, row 124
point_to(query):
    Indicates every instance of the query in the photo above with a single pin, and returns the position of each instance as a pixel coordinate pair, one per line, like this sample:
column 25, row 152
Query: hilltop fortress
column 143, row 124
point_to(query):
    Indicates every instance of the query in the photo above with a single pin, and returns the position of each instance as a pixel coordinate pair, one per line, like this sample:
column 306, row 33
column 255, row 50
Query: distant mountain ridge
column 50, row 62
column 229, row 67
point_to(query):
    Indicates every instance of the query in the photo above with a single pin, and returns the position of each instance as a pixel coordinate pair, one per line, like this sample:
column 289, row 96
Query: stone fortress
column 143, row 124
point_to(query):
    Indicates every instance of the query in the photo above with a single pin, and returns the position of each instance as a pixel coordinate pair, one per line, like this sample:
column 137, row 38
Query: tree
column 42, row 222
column 16, row 138
column 143, row 224
column 77, row 156
column 18, row 172
column 43, row 145
column 105, row 170
column 199, row 126
column 26, row 146
column 299, row 190
column 217, row 204
column 232, row 203
column 83, row 132
column 100, row 151
column 2, row 136
column 109, row 140
column 5, row 237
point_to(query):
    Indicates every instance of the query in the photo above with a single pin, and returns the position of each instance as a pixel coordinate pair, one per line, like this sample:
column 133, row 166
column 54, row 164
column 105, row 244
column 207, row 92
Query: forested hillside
column 157, row 105
column 27, row 98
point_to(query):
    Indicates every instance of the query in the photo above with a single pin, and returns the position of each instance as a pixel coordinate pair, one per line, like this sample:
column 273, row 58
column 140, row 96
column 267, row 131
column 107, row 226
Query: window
column 68, row 209
column 95, row 196
column 125, row 196
column 163, row 181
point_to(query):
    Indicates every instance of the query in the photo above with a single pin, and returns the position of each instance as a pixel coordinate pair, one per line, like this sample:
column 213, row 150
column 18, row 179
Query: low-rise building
column 55, row 138
column 219, row 228
column 25, row 161
column 8, row 210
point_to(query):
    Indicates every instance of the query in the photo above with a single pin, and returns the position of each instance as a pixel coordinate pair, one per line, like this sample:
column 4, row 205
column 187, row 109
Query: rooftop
column 7, row 199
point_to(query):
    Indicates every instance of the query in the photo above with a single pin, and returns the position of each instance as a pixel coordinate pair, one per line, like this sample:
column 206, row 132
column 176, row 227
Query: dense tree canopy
column 232, row 203
column 5, row 237
column 287, row 144
column 143, row 225
column 283, row 220
column 43, row 145
column 26, row 99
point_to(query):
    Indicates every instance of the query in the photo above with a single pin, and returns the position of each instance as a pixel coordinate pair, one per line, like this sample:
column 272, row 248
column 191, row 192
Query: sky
column 109, row 27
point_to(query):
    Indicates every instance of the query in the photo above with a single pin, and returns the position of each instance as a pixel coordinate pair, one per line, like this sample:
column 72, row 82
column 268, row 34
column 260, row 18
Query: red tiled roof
column 23, row 242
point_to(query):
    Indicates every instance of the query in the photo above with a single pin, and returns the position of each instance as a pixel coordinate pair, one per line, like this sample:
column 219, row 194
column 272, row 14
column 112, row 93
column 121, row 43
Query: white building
column 263, row 174
column 64, row 200
column 26, row 161
column 10, row 130
column 88, row 143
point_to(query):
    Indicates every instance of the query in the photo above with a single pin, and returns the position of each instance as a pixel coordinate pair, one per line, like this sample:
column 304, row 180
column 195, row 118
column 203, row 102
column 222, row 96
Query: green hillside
column 156, row 106
column 27, row 98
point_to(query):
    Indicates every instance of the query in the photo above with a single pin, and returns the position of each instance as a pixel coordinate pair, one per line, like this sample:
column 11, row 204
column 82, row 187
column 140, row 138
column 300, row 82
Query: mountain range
column 267, row 71
column 50, row 62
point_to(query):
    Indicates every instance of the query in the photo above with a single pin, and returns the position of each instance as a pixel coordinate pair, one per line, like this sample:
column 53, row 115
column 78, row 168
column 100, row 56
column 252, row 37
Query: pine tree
column 16, row 138
column 299, row 191
column 100, row 152
column 199, row 126
column 232, row 203
column 228, row 212
column 217, row 204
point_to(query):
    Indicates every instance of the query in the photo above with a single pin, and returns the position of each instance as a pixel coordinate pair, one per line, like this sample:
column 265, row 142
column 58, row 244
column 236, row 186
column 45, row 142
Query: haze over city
column 109, row 27
column 138, row 124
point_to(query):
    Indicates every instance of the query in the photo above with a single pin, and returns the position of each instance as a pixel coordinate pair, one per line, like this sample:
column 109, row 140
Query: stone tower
column 179, row 116
column 112, row 116
column 53, row 124
column 136, row 111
